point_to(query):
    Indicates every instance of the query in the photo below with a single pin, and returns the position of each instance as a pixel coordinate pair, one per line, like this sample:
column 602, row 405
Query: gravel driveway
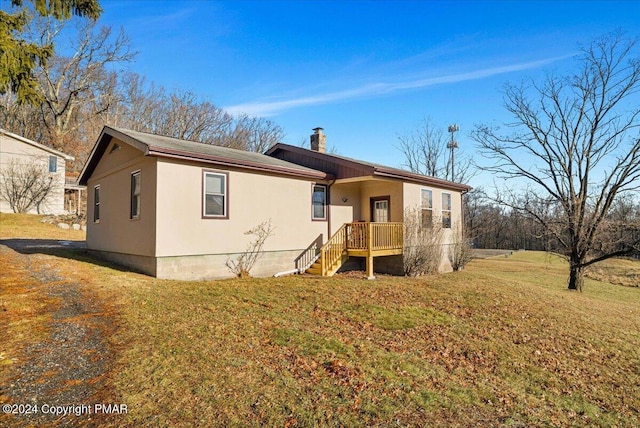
column 70, row 366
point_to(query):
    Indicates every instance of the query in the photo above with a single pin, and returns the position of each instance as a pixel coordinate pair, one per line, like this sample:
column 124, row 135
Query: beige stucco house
column 18, row 154
column 179, row 209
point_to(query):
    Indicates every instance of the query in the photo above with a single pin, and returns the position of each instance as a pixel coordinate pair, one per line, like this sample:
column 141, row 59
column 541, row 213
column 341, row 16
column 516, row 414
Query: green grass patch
column 310, row 344
column 28, row 226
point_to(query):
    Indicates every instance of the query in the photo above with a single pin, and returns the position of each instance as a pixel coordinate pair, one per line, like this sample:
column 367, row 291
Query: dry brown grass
column 617, row 271
column 502, row 343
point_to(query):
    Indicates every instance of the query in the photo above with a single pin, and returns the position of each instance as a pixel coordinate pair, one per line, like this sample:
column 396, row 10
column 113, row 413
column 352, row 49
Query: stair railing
column 309, row 255
column 333, row 250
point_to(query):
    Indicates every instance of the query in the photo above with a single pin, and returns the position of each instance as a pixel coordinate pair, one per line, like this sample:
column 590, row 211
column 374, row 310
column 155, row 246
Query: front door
column 380, row 209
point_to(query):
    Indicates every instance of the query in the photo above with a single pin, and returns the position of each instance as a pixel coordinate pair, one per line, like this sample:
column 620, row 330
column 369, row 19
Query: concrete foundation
column 201, row 267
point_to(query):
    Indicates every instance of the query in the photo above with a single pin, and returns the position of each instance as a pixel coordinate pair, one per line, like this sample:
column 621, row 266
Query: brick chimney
column 318, row 141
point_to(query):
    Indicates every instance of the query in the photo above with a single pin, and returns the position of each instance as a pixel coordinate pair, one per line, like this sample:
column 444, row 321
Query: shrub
column 243, row 264
column 422, row 252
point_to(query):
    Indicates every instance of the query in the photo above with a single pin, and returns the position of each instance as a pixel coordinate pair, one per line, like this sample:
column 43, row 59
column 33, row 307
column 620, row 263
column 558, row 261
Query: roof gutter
column 421, row 179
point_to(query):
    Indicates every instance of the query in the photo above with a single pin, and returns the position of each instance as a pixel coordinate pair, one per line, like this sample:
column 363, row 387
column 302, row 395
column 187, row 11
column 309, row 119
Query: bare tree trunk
column 576, row 273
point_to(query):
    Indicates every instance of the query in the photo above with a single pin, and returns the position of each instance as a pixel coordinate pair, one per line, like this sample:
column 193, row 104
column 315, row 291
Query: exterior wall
column 412, row 200
column 142, row 264
column 347, row 211
column 375, row 188
column 357, row 206
column 253, row 198
column 403, row 196
column 14, row 150
column 116, row 232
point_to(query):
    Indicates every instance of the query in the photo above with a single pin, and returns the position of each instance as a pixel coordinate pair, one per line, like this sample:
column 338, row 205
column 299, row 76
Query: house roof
column 161, row 146
column 37, row 145
column 344, row 167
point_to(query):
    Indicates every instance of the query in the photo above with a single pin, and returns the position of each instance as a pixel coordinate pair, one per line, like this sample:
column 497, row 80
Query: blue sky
column 366, row 71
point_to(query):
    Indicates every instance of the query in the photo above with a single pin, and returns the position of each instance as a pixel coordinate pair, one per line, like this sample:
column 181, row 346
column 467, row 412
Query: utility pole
column 452, row 145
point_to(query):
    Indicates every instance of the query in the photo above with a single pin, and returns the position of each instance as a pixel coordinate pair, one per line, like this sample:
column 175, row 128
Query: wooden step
column 314, row 271
column 316, row 267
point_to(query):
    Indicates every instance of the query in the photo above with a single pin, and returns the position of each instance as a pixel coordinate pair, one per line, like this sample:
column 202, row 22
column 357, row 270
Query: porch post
column 369, row 251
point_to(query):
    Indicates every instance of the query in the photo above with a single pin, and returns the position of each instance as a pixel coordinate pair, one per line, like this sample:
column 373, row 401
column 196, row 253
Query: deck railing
column 374, row 236
column 363, row 237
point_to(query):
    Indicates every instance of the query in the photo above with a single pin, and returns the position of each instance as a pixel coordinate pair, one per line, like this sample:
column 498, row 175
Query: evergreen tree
column 19, row 57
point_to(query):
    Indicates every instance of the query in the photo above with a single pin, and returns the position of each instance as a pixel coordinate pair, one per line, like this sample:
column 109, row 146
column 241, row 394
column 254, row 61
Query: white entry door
column 380, row 210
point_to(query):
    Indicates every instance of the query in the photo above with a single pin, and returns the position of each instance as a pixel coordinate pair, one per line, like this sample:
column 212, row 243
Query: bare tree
column 425, row 152
column 575, row 142
column 179, row 114
column 255, row 134
column 78, row 88
column 25, row 185
column 75, row 93
column 20, row 118
column 149, row 108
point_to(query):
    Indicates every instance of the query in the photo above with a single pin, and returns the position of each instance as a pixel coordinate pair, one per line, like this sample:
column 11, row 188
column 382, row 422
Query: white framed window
column 214, row 195
column 426, row 205
column 53, row 164
column 135, row 195
column 96, row 204
column 319, row 202
column 446, row 210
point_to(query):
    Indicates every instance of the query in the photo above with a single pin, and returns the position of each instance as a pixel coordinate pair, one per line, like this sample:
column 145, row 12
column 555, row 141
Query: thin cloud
column 168, row 20
column 270, row 108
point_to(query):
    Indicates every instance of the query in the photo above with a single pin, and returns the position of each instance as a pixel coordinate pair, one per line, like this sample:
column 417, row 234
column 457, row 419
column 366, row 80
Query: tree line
column 489, row 224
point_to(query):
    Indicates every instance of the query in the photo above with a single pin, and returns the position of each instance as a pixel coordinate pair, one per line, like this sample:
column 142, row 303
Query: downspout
column 462, row 234
column 286, row 272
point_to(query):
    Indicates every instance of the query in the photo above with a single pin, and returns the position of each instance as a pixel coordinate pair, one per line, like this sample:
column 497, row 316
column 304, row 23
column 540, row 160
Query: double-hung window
column 426, row 197
column 96, row 204
column 135, row 195
column 446, row 210
column 53, row 164
column 215, row 199
column 319, row 202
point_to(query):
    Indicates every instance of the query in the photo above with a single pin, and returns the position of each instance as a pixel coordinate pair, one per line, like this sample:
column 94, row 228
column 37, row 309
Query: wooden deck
column 361, row 239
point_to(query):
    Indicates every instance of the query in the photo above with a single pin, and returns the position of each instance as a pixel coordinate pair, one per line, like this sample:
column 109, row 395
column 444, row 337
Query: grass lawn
column 501, row 344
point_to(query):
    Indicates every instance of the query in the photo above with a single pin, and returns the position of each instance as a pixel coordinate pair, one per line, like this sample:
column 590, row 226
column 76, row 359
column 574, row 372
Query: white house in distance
column 19, row 151
column 178, row 209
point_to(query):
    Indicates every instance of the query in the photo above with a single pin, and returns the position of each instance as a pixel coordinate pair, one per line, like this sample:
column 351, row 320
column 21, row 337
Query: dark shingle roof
column 345, row 167
column 162, row 146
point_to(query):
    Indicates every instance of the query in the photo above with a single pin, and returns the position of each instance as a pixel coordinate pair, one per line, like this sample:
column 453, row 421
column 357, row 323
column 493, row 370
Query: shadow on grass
column 75, row 250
